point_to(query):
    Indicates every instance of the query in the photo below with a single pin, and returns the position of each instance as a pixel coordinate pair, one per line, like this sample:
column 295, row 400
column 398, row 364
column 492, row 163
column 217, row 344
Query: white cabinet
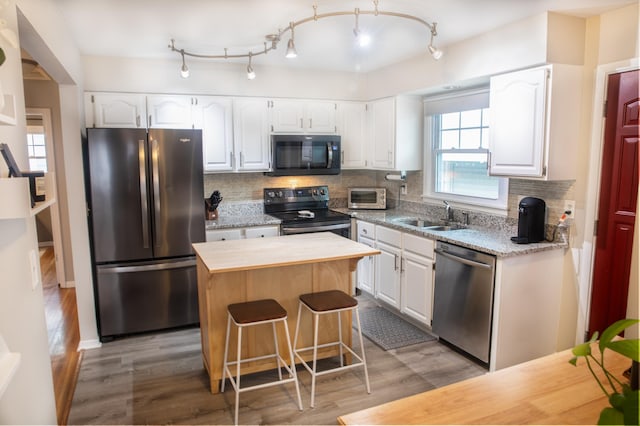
column 535, row 122
column 387, row 272
column 242, row 233
column 300, row 116
column 417, row 278
column 395, row 130
column 115, row 110
column 352, row 127
column 251, row 134
column 170, row 111
column 213, row 115
column 365, row 273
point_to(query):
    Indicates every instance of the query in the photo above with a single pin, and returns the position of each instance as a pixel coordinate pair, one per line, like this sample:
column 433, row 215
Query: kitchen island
column 280, row 268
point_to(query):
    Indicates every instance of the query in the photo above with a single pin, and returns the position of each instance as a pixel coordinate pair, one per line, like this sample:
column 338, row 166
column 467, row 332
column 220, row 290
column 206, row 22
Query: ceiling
column 144, row 28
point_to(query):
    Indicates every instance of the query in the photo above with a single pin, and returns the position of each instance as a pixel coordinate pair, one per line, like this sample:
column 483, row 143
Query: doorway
column 617, row 202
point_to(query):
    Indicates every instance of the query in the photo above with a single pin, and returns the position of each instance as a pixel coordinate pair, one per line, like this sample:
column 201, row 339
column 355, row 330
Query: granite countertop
column 493, row 241
column 241, row 221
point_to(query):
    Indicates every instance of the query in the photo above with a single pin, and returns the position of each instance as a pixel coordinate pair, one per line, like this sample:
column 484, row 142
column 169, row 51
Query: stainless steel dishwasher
column 463, row 298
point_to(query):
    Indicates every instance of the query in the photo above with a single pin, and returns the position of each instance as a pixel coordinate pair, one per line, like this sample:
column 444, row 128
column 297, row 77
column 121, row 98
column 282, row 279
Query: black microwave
column 294, row 155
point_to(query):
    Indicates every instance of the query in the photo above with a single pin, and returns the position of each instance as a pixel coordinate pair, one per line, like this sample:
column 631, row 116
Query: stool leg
column 275, row 342
column 293, row 363
column 340, row 338
column 295, row 337
column 224, row 360
column 238, row 374
column 315, row 358
column 364, row 360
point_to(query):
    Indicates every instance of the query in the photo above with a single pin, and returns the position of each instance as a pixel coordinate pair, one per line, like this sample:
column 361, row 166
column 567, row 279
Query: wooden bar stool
column 329, row 302
column 246, row 315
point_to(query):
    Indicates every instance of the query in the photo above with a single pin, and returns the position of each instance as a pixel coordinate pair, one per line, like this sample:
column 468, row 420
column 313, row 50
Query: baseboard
column 89, row 344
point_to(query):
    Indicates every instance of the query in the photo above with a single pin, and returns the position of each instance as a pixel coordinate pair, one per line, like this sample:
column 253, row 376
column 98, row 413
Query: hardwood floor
column 62, row 327
column 159, row 378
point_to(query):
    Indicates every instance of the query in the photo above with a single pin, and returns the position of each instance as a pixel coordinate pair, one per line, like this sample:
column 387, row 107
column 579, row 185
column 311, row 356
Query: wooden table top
column 547, row 390
column 285, row 250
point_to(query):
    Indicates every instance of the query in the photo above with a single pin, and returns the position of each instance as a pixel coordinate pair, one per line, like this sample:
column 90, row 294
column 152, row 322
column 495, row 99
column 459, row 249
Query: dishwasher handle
column 462, row 259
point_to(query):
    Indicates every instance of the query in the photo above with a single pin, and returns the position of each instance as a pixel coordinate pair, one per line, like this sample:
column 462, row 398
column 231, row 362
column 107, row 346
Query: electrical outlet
column 403, row 189
column 570, row 206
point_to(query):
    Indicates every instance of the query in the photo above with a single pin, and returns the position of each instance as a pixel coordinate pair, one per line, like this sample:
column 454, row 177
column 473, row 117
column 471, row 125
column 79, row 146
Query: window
column 36, row 148
column 456, row 163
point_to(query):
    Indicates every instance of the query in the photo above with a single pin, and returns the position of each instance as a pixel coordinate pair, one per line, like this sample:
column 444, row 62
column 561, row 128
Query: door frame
column 56, row 230
column 592, row 199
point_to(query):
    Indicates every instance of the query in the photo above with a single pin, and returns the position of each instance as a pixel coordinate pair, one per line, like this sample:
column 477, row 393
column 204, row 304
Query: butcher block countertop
column 544, row 391
column 285, row 250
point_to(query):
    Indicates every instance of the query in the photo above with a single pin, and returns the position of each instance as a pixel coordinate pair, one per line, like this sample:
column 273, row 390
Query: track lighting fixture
column 272, row 40
column 251, row 74
column 291, row 47
column 184, row 70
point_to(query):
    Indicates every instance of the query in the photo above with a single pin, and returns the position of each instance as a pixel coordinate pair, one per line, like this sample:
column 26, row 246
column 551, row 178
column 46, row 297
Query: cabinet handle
column 342, row 157
column 402, row 265
column 232, row 160
column 241, row 159
column 364, row 231
column 301, row 124
column 137, row 121
column 395, row 262
column 311, row 123
column 150, row 122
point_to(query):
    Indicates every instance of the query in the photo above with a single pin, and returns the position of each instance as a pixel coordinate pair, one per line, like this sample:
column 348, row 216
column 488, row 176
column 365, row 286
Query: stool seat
column 256, row 311
column 328, row 300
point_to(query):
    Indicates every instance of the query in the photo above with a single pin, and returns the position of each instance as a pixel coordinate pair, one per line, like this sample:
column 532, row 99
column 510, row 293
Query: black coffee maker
column 531, row 213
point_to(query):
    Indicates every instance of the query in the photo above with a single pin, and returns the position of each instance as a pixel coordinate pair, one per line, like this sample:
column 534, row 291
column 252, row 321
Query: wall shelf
column 8, row 112
column 17, row 196
column 9, row 363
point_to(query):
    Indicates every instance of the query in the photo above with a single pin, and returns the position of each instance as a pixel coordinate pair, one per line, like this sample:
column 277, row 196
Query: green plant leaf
column 611, row 416
column 573, row 361
column 2, row 56
column 613, row 330
column 583, row 349
column 630, row 408
column 617, row 400
column 628, row 348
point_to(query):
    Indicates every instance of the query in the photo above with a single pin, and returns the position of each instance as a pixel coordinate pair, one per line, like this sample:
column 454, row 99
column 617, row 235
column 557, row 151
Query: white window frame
column 460, row 101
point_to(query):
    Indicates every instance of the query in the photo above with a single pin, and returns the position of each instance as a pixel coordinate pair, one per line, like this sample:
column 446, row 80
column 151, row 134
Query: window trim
column 499, row 206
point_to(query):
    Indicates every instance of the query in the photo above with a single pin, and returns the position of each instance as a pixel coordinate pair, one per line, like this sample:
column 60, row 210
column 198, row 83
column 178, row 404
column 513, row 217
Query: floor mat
column 388, row 330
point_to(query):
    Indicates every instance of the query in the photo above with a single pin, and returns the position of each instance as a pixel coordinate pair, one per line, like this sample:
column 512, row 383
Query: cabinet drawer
column 262, row 232
column 389, row 236
column 224, row 234
column 418, row 245
column 366, row 229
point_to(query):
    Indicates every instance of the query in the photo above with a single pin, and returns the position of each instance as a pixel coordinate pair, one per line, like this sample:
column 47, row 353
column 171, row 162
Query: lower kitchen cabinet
column 365, row 272
column 242, row 233
column 387, row 279
column 416, row 284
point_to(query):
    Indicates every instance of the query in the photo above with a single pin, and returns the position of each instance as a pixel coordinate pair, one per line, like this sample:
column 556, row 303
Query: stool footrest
column 324, row 345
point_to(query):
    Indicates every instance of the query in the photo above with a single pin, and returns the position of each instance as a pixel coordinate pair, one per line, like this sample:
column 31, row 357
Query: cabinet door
column 517, row 124
column 262, row 232
column 352, row 131
column 287, row 116
column 387, row 275
column 251, row 133
column 417, row 287
column 115, row 110
column 365, row 269
column 320, row 117
column 224, row 234
column 382, row 133
column 170, row 111
column 214, row 116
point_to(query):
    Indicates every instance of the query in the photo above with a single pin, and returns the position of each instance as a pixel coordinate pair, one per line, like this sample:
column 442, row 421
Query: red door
column 617, row 208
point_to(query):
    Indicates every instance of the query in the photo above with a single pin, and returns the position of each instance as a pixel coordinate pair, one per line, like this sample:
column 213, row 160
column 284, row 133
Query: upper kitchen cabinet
column 251, row 134
column 535, row 120
column 115, row 110
column 302, row 116
column 352, row 126
column 170, row 111
column 395, row 129
column 213, row 115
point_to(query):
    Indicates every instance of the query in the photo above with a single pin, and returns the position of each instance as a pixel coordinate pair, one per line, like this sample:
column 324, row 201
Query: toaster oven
column 367, row 198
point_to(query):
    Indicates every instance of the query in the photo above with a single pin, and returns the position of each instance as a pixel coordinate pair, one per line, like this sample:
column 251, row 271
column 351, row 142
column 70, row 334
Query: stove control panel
column 296, row 195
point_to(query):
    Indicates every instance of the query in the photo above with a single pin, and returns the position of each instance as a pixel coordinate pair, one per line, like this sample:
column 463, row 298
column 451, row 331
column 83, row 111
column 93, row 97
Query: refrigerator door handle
column 145, row 268
column 156, row 188
column 143, row 193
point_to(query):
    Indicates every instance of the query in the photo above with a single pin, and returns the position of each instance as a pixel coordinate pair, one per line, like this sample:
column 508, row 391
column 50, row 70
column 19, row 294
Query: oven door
column 342, row 229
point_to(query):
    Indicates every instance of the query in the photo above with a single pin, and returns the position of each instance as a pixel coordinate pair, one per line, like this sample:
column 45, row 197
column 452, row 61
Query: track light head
column 291, row 47
column 184, row 70
column 251, row 74
column 434, row 51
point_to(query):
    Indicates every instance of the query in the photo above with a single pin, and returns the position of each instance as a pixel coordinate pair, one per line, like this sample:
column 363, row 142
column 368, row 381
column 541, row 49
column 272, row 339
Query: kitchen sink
column 430, row 225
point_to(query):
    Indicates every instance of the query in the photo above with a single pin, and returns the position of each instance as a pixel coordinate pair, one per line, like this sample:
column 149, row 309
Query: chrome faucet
column 448, row 212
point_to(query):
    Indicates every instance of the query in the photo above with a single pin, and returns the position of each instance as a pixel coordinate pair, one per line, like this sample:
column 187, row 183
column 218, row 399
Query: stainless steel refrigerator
column 146, row 207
